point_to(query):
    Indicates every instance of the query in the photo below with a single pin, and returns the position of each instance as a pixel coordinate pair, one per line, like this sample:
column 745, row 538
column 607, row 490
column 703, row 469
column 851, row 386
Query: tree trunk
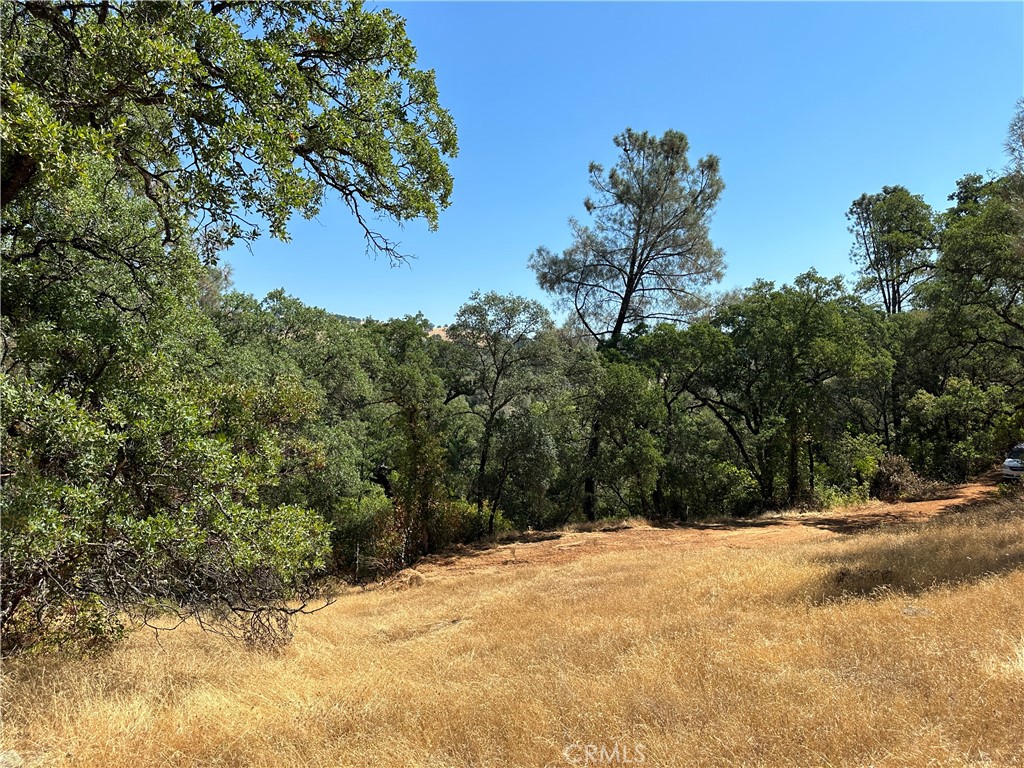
column 627, row 298
column 485, row 452
column 658, row 497
column 810, row 463
column 887, row 433
column 17, row 171
column 897, row 419
column 793, row 489
column 590, row 482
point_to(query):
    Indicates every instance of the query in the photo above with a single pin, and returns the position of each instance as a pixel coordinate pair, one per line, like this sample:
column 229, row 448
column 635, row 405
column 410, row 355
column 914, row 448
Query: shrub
column 895, row 480
column 367, row 539
column 458, row 522
column 851, row 461
column 829, row 496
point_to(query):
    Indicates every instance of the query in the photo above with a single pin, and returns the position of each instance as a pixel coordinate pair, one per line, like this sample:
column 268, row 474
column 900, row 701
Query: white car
column 1013, row 467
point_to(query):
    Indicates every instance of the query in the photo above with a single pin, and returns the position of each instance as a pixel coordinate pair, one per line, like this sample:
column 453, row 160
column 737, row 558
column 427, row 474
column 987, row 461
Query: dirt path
column 553, row 548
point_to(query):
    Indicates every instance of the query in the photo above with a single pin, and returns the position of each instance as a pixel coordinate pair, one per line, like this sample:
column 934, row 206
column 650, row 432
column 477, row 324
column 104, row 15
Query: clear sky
column 808, row 105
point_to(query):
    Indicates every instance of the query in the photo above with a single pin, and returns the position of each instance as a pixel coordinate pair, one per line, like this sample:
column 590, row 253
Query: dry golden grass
column 903, row 646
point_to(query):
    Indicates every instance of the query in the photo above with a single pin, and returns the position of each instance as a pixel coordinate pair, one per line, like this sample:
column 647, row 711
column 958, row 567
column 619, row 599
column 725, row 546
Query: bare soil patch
column 552, row 549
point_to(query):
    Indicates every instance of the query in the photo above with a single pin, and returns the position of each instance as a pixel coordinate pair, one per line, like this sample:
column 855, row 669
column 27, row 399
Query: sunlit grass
column 899, row 647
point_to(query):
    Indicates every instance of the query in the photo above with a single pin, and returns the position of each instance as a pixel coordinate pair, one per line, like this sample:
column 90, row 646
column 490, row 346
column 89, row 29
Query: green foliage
column 176, row 446
column 365, row 536
column 227, row 109
column 894, row 234
column 628, row 461
column 851, row 460
column 460, row 522
column 649, row 250
column 980, row 273
column 413, row 422
column 959, row 432
column 142, row 503
column 647, row 256
column 526, row 468
column 170, row 446
column 894, row 478
column 507, row 353
column 830, row 496
column 131, row 474
column 772, row 369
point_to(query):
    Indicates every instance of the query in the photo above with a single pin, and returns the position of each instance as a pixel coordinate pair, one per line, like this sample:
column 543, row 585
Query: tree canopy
column 894, row 235
column 161, row 451
column 649, row 250
column 226, row 111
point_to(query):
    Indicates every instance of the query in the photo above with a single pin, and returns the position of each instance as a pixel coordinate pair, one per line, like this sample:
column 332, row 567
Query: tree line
column 175, row 446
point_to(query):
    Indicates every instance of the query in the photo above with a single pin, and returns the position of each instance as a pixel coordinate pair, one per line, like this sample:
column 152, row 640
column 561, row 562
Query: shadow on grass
column 843, row 521
column 967, row 543
column 866, row 520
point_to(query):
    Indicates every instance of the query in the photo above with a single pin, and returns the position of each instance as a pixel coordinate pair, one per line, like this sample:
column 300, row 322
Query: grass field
column 723, row 646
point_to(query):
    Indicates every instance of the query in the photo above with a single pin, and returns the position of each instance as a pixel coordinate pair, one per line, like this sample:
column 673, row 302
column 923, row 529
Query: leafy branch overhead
column 223, row 113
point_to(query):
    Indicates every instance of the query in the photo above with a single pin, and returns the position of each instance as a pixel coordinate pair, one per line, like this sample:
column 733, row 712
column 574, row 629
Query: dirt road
column 553, row 548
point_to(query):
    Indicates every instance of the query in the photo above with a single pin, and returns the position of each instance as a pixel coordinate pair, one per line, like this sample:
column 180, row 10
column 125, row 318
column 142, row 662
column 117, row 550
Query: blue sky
column 808, row 105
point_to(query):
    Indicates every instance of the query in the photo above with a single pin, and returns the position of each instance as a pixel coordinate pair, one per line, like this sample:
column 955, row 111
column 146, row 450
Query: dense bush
column 896, row 480
column 893, row 479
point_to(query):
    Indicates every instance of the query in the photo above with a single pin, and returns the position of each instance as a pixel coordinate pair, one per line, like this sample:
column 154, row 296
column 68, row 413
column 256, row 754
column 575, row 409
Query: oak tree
column 227, row 109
